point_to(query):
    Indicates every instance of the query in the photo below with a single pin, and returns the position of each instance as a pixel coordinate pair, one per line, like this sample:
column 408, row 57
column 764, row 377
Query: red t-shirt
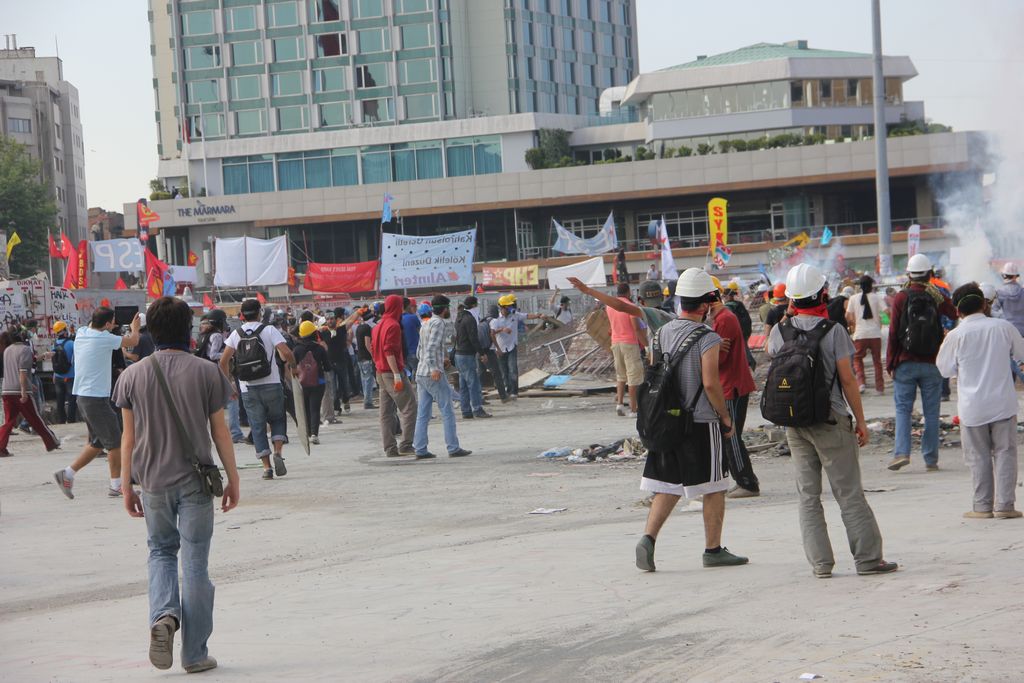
column 621, row 323
column 733, row 369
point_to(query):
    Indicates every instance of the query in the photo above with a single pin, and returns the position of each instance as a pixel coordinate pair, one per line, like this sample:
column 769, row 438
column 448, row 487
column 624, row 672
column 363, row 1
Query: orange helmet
column 780, row 291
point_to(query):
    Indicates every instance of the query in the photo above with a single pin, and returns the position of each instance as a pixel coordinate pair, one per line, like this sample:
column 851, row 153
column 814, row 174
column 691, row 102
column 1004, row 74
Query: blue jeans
column 234, row 425
column 430, row 390
column 1015, row 369
column 508, row 363
column 908, row 378
column 367, row 373
column 181, row 517
column 265, row 405
column 471, row 397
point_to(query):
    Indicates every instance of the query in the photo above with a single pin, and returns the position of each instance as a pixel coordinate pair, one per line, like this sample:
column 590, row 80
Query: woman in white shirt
column 864, row 315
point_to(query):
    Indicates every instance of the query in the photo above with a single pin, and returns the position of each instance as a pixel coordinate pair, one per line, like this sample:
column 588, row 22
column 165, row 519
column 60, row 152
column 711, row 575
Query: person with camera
column 166, row 445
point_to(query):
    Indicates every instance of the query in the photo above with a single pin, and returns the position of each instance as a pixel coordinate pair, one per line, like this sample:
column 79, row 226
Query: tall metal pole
column 881, row 152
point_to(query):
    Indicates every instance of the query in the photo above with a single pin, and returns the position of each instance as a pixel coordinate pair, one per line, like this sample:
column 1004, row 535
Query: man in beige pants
column 396, row 396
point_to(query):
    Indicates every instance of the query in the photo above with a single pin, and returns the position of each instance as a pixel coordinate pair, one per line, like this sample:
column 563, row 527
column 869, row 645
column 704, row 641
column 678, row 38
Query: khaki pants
column 991, row 452
column 400, row 404
column 834, row 448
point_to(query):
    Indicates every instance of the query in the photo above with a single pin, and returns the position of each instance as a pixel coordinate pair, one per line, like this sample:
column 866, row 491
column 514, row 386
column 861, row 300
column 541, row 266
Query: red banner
column 77, row 274
column 341, row 277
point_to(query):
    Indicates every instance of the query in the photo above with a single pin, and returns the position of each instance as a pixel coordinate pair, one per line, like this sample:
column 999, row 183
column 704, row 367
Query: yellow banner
column 800, row 241
column 718, row 222
column 514, row 276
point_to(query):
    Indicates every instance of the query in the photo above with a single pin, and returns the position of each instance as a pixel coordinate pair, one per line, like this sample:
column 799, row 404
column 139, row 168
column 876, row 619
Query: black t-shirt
column 363, row 332
column 775, row 315
column 337, row 349
column 145, row 348
column 837, row 310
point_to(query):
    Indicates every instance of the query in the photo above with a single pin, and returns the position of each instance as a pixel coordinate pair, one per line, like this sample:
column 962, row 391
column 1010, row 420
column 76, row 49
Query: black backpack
column 743, row 315
column 661, row 418
column 797, row 393
column 250, row 359
column 203, row 348
column 61, row 361
column 920, row 325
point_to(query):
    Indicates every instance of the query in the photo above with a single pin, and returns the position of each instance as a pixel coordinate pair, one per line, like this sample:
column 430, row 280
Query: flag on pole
column 12, row 242
column 668, row 263
column 192, row 258
column 385, row 215
column 120, row 285
column 55, row 251
column 65, row 246
column 722, row 255
column 208, row 302
column 262, row 299
column 826, row 236
column 602, row 243
column 156, row 275
column 718, row 222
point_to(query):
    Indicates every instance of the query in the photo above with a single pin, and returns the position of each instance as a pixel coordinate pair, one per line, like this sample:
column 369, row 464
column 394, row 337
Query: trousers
column 990, row 450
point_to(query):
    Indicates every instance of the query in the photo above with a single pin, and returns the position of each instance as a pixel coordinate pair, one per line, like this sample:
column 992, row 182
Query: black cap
column 470, row 302
column 339, row 312
column 440, row 301
column 565, row 300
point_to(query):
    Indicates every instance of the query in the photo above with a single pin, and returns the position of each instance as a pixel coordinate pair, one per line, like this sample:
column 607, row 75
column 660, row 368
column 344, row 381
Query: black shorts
column 104, row 424
column 696, row 467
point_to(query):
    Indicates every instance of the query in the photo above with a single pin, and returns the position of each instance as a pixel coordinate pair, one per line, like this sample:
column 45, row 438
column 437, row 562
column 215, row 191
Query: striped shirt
column 432, row 345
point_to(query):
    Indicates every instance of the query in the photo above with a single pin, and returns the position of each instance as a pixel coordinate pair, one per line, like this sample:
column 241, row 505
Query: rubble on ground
column 623, row 450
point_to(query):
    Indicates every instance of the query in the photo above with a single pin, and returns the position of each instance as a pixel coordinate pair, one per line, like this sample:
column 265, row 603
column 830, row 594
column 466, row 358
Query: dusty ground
column 357, row 568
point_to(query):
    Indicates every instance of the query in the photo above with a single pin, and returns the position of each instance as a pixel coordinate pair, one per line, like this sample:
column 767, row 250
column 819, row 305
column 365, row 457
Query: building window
column 584, row 9
column 588, row 41
column 420, row 107
column 604, row 11
column 528, row 33
column 334, row 114
column 197, row 23
column 292, row 118
column 374, row 40
column 587, row 71
column 796, row 92
column 367, row 8
column 246, row 88
column 417, row 35
column 569, row 73
column 241, row 18
column 621, row 15
column 571, row 107
column 547, row 35
column 446, row 69
column 329, row 80
column 331, row 44
column 445, row 38
column 203, row 91
column 299, row 170
column 243, row 175
column 19, row 125
column 250, row 52
column 412, row 6
column 344, row 167
column 286, row 84
column 547, row 71
column 375, row 111
column 251, row 122
column 568, row 39
column 607, row 44
column 204, row 57
column 208, row 127
column 416, row 71
column 282, row 14
column 429, row 159
column 473, row 156
column 826, row 89
column 289, row 49
column 326, row 10
column 372, row 75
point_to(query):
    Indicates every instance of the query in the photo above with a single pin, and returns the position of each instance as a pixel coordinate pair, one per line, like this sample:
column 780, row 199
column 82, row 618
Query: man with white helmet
column 698, row 466
column 1010, row 297
column 915, row 334
column 831, row 444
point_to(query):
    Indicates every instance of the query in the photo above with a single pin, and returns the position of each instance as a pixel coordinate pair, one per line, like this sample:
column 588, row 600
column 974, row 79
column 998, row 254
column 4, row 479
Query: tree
column 551, row 151
column 27, row 202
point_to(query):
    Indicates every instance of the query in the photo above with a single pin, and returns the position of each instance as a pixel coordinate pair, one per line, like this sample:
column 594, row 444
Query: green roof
column 761, row 52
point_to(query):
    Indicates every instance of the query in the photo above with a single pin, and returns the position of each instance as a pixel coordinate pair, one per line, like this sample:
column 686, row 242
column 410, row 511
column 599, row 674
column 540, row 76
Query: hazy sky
column 962, row 49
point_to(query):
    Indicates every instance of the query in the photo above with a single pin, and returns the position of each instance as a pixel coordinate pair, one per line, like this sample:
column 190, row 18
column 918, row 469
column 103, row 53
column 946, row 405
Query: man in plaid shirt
column 432, row 383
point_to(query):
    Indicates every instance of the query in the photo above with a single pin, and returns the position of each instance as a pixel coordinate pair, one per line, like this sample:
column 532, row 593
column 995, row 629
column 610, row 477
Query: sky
column 962, row 50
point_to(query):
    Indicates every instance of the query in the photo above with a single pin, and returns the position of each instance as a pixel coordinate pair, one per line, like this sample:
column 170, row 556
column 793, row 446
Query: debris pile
column 618, row 451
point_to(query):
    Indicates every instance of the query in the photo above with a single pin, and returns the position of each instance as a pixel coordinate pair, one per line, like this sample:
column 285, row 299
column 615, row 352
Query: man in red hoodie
column 396, row 396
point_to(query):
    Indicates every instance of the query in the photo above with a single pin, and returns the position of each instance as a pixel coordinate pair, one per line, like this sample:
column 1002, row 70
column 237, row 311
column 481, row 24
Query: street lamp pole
column 881, row 151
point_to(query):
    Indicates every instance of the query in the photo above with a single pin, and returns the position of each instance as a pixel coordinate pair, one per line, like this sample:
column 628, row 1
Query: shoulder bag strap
column 182, row 433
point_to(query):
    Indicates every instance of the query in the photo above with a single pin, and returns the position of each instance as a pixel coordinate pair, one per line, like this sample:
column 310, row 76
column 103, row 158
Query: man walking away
column 367, row 370
column 628, row 337
column 254, row 348
column 167, row 424
column 975, row 353
column 95, row 347
column 431, row 383
column 915, row 335
column 827, row 438
column 697, row 467
column 396, row 396
column 211, row 347
column 410, row 333
column 63, row 361
column 864, row 316
column 467, row 351
column 490, row 353
column 311, row 360
column 17, row 395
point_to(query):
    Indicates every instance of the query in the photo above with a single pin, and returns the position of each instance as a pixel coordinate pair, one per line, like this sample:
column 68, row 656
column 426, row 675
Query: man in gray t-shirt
column 17, row 395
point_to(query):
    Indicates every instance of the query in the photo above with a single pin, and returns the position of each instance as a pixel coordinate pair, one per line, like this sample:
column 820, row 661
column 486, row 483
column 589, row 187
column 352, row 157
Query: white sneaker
column 620, row 410
column 314, row 440
column 632, row 415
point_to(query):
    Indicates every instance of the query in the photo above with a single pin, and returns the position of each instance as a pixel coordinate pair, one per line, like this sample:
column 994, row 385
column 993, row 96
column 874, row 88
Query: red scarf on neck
column 817, row 311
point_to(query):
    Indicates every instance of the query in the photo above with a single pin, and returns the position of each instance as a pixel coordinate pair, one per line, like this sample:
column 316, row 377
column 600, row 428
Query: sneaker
column 348, row 408
column 898, row 462
column 632, row 415
column 506, row 400
column 64, row 483
column 882, row 567
column 823, row 572
column 425, row 456
column 268, row 473
column 645, row 554
column 369, row 406
column 620, row 410
column 978, row 514
column 1008, row 514
column 239, row 440
column 861, row 388
column 314, row 440
column 482, row 414
column 461, row 453
column 56, row 446
column 161, row 642
column 740, row 492
column 467, row 416
column 248, row 440
column 932, row 467
column 114, row 493
column 279, row 468
column 205, row 665
column 406, row 450
column 514, row 397
column 723, row 558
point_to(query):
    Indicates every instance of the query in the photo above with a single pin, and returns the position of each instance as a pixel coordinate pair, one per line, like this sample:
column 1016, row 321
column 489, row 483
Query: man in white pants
column 975, row 352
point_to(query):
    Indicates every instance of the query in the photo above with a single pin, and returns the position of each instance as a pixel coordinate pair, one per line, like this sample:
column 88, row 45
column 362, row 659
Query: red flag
column 65, row 246
column 262, row 299
column 341, row 277
column 208, row 302
column 155, row 271
column 54, row 250
column 71, row 271
column 192, row 258
column 120, row 285
column 292, row 281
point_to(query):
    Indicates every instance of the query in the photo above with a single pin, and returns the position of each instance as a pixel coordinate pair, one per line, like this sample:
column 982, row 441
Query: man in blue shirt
column 410, row 334
column 94, row 348
column 63, row 381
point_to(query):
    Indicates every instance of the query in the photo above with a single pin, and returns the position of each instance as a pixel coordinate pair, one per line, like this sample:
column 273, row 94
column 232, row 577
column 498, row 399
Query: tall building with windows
column 264, row 95
column 39, row 109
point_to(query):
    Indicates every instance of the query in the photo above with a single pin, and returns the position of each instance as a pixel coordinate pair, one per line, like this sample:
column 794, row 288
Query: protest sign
column 434, row 261
column 512, row 276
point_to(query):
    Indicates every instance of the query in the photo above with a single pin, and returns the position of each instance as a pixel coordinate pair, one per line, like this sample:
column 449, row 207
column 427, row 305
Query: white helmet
column 919, row 264
column 694, row 283
column 847, row 291
column 804, row 281
column 762, row 288
column 1010, row 269
column 988, row 291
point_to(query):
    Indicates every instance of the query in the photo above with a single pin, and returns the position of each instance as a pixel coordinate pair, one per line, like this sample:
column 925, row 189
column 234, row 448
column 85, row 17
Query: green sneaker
column 645, row 554
column 723, row 558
